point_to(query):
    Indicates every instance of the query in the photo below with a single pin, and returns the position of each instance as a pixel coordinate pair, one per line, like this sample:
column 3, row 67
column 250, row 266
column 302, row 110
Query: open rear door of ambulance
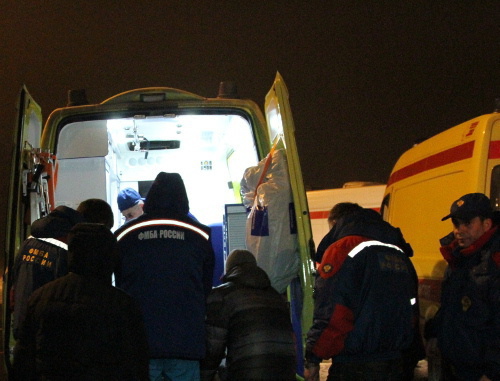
column 282, row 135
column 23, row 207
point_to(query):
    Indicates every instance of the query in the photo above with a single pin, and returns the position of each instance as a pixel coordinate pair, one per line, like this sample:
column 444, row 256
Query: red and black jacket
column 365, row 293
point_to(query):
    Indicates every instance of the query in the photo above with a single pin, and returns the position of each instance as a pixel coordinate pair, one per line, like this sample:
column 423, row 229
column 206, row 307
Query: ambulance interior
column 98, row 158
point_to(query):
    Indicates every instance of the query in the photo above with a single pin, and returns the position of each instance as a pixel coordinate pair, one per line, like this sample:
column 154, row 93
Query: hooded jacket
column 41, row 258
column 248, row 318
column 365, row 293
column 166, row 264
column 80, row 327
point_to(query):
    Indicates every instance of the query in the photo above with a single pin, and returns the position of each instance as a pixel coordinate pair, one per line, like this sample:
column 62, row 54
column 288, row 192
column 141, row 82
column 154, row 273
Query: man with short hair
column 340, row 210
column 467, row 324
column 365, row 307
column 337, row 212
column 96, row 211
column 130, row 203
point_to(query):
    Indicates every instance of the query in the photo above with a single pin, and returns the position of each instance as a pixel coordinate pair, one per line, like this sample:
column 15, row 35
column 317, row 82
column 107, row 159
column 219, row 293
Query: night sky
column 366, row 79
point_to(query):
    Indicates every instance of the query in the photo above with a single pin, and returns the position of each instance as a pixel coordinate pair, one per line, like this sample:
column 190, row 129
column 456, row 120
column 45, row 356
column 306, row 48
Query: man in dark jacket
column 80, row 327
column 42, row 258
column 366, row 311
column 468, row 322
column 167, row 264
column 249, row 321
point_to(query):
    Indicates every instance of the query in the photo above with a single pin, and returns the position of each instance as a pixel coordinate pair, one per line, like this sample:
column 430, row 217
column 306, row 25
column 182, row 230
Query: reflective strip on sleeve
column 52, row 241
column 366, row 244
column 162, row 222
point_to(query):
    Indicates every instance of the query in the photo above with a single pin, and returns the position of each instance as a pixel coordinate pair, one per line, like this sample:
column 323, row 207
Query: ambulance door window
column 495, row 187
column 81, row 152
column 384, row 209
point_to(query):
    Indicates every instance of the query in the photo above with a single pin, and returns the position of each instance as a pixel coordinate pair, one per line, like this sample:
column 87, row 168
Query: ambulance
column 95, row 150
column 365, row 193
column 427, row 179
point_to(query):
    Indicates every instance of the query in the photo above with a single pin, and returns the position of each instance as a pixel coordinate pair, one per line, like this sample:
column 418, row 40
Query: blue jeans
column 174, row 370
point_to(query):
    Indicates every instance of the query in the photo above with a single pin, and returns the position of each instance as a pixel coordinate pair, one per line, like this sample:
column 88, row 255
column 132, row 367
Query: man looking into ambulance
column 166, row 262
column 130, row 203
column 42, row 257
column 467, row 325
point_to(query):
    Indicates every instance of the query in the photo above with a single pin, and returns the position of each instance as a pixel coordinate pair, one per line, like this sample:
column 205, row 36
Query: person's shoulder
column 222, row 290
column 336, row 254
column 50, row 287
column 44, row 243
column 345, row 244
column 27, row 244
column 130, row 224
column 197, row 224
column 217, row 294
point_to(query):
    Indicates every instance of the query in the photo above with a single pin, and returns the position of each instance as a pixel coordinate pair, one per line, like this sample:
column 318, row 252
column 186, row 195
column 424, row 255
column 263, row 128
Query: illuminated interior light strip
column 163, row 222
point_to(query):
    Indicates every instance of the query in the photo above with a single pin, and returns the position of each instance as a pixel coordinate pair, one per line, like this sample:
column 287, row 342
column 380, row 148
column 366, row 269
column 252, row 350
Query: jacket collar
column 452, row 251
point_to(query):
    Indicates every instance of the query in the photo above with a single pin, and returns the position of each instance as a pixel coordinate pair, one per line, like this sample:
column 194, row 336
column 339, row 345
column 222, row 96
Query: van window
column 495, row 187
column 384, row 209
column 99, row 157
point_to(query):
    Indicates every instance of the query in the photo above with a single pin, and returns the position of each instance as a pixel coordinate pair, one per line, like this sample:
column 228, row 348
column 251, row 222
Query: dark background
column 366, row 79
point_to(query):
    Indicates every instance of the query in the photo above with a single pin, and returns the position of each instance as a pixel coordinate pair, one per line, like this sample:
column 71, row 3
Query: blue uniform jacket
column 166, row 264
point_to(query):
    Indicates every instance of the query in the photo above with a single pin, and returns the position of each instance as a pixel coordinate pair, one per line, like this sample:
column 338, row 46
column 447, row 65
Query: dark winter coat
column 80, row 327
column 468, row 322
column 42, row 258
column 166, row 264
column 249, row 319
column 365, row 295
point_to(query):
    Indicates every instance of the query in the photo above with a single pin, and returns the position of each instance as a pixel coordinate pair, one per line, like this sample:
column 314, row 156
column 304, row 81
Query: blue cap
column 128, row 198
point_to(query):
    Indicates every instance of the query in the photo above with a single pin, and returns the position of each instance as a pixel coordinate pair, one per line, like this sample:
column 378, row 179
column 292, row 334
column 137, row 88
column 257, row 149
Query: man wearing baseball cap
column 130, row 203
column 467, row 326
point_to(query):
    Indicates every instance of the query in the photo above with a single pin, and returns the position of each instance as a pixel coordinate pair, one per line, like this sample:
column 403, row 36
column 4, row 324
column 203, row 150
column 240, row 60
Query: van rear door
column 282, row 134
column 24, row 192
